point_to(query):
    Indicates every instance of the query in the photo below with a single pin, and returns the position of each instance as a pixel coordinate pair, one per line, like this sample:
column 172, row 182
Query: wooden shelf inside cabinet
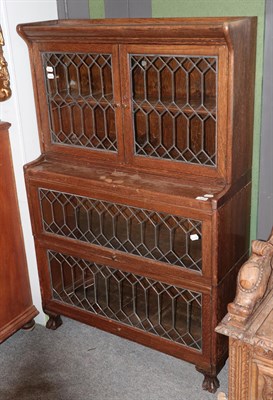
column 176, row 130
column 93, row 124
column 72, row 98
column 177, row 106
column 144, row 238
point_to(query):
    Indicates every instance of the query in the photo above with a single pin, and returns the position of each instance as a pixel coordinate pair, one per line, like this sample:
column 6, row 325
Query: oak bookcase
column 140, row 200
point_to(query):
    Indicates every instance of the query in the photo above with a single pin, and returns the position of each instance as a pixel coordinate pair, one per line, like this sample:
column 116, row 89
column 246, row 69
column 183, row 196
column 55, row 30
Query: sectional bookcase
column 140, row 200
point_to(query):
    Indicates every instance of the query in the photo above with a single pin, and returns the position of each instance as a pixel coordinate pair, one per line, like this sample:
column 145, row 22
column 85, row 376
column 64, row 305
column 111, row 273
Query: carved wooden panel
column 249, row 324
column 5, row 91
column 239, row 370
column 262, row 380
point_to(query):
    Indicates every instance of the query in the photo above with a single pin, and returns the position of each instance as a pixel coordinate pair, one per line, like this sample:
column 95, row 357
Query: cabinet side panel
column 243, row 38
column 233, row 223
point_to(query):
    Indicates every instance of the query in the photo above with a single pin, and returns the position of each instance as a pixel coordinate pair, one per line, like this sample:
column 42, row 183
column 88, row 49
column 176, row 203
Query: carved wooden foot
column 29, row 326
column 54, row 321
column 210, row 383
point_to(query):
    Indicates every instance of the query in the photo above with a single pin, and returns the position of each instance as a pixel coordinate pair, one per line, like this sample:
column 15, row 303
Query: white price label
column 194, row 237
column 202, row 198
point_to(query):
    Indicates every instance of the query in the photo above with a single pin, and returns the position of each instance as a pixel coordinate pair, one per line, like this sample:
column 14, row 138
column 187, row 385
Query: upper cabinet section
column 168, row 95
column 171, row 105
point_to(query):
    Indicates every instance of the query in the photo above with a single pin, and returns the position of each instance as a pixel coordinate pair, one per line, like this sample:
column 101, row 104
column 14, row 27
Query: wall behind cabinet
column 19, row 110
column 96, row 8
column 216, row 8
column 120, row 8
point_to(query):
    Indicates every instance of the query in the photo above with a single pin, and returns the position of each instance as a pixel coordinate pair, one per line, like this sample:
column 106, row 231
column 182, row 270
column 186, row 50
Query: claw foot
column 54, row 322
column 210, row 383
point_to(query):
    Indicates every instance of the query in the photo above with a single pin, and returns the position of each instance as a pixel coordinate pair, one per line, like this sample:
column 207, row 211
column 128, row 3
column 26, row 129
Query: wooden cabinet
column 17, row 310
column 249, row 326
column 140, row 201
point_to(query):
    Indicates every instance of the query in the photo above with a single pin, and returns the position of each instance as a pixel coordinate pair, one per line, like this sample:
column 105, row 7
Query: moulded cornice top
column 212, row 29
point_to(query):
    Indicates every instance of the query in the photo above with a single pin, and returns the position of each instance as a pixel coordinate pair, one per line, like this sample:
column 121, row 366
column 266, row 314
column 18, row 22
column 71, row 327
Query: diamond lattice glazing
column 174, row 107
column 79, row 88
column 155, row 235
column 158, row 308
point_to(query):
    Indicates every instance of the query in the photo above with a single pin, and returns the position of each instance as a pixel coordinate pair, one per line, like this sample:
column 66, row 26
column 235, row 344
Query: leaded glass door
column 82, row 91
column 172, row 103
column 160, row 309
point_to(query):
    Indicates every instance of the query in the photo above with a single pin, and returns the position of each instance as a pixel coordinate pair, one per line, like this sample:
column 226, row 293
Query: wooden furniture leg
column 54, row 321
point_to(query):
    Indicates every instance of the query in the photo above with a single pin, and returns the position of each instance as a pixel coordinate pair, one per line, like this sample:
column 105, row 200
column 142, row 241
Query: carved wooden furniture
column 5, row 90
column 249, row 325
column 140, row 201
column 17, row 310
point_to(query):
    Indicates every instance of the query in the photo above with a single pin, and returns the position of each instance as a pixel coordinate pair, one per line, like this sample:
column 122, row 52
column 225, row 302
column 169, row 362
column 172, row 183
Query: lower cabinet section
column 163, row 310
column 155, row 272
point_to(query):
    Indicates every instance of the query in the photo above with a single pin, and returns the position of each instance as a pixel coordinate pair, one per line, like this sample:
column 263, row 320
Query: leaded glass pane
column 163, row 310
column 175, row 107
column 79, row 89
column 155, row 235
